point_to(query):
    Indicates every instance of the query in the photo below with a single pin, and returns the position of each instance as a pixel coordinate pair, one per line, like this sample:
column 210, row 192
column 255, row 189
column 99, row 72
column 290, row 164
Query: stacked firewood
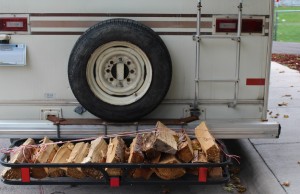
column 162, row 146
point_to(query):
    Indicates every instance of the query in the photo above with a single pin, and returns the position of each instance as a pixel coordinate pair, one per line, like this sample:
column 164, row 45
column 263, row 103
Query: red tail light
column 13, row 24
column 231, row 25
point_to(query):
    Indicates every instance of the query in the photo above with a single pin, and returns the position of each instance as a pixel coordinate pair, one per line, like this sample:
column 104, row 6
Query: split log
column 126, row 154
column 61, row 156
column 44, row 154
column 184, row 144
column 169, row 173
column 137, row 156
column 199, row 157
column 163, row 141
column 97, row 154
column 161, row 127
column 23, row 155
column 115, row 154
column 208, row 144
column 144, row 173
column 79, row 152
column 147, row 172
column 215, row 172
column 185, row 151
column 148, row 149
column 196, row 145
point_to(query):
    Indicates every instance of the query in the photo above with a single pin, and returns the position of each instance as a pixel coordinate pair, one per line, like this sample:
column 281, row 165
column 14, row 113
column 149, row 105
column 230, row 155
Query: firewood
column 196, row 145
column 11, row 173
column 208, row 144
column 137, row 156
column 161, row 127
column 199, row 157
column 185, row 150
column 184, row 144
column 215, row 172
column 115, row 154
column 61, row 156
column 79, row 152
column 147, row 172
column 23, row 155
column 165, row 142
column 97, row 154
column 162, row 141
column 169, row 173
column 148, row 149
column 126, row 154
column 144, row 173
column 44, row 154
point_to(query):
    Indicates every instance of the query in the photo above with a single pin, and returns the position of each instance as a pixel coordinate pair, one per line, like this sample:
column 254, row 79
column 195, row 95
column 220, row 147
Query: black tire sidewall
column 120, row 30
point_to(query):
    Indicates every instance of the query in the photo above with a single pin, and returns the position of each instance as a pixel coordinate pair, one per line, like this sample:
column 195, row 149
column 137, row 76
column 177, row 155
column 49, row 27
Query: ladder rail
column 236, row 38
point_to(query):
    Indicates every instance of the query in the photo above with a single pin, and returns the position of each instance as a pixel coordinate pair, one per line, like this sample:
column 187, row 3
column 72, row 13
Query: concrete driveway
column 282, row 156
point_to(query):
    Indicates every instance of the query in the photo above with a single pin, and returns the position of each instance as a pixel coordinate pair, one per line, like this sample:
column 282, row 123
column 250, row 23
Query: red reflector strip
column 255, row 82
column 203, row 175
column 231, row 25
column 114, row 182
column 252, row 26
column 25, row 175
column 13, row 24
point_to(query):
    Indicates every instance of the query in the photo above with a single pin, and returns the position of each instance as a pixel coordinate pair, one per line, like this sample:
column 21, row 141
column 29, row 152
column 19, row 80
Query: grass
column 288, row 25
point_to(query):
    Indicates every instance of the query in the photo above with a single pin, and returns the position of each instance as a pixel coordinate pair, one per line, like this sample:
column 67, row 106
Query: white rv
column 78, row 68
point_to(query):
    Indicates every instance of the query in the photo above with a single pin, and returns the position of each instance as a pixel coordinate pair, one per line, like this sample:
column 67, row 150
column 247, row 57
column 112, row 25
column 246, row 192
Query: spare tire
column 120, row 70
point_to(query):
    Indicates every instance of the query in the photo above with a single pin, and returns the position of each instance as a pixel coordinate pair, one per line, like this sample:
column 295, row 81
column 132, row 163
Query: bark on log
column 199, row 157
column 97, row 154
column 44, row 154
column 79, row 152
column 115, row 154
column 207, row 142
column 61, row 156
column 137, row 156
column 166, row 139
column 169, row 173
column 161, row 141
column 185, row 151
column 144, row 173
column 148, row 149
column 196, row 145
column 215, row 172
column 23, row 155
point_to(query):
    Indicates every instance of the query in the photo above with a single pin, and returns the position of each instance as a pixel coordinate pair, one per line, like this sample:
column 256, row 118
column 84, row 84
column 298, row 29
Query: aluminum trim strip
column 221, row 129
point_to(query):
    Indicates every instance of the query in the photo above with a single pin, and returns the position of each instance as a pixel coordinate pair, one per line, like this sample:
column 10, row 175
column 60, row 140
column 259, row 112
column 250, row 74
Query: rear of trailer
column 78, row 69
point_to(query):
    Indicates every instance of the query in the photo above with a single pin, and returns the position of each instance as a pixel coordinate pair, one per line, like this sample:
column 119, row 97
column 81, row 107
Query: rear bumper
column 221, row 129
